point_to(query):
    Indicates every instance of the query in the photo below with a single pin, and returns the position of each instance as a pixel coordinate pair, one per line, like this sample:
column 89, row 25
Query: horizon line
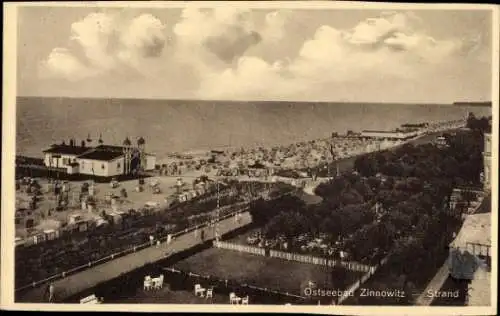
column 452, row 103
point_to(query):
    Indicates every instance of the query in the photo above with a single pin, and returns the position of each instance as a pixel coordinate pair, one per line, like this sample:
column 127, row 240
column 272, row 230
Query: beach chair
column 244, row 301
column 233, row 299
column 198, row 290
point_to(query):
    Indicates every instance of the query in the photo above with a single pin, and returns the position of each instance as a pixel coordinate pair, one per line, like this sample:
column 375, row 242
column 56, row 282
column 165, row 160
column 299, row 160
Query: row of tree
column 410, row 185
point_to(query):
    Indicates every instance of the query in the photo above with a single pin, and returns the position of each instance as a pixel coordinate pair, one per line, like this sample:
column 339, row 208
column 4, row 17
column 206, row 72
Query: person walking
column 50, row 293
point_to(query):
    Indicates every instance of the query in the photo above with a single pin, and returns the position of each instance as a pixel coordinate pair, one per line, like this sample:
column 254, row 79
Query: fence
column 227, row 285
column 135, row 248
column 123, row 253
column 351, row 266
column 362, row 280
column 240, row 248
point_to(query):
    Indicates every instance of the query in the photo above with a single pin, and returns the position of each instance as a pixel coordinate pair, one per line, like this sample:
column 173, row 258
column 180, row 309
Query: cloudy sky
column 242, row 54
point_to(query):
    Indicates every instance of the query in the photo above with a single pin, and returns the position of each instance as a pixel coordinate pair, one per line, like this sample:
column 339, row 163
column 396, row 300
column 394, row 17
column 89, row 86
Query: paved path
column 91, row 277
column 435, row 285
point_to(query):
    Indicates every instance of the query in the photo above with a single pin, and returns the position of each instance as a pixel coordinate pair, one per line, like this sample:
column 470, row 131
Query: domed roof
column 141, row 141
column 127, row 142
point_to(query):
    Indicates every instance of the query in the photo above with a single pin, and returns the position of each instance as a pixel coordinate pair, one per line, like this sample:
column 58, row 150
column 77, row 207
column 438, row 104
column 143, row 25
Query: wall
column 86, row 166
column 111, row 168
column 116, row 167
column 487, row 161
column 57, row 162
column 150, row 162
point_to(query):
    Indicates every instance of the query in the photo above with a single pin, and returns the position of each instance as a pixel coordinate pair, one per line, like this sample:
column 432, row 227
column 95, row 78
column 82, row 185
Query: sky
column 233, row 53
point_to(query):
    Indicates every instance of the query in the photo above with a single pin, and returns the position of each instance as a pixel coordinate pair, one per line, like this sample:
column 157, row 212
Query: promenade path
column 435, row 285
column 93, row 276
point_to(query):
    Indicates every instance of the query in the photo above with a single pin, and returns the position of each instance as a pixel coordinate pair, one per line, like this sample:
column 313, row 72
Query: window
column 65, row 161
column 82, row 164
column 103, row 166
column 118, row 166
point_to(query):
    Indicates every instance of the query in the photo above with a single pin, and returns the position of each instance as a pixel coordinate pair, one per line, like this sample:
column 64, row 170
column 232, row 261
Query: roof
column 102, row 155
column 110, row 148
column 375, row 131
column 67, row 149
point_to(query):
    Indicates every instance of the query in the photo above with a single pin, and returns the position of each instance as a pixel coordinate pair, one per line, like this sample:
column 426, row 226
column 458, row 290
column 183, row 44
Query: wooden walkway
column 91, row 277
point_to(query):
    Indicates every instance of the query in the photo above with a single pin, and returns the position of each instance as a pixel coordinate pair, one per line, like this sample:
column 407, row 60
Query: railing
column 478, row 249
column 123, row 253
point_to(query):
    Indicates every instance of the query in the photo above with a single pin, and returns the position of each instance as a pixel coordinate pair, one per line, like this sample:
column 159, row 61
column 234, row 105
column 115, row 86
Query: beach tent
column 51, row 234
column 117, row 216
column 101, row 221
column 152, row 204
column 75, row 219
column 38, row 238
column 20, row 241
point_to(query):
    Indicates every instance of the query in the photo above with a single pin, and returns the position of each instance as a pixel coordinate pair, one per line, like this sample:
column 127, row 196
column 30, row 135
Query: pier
column 79, row 282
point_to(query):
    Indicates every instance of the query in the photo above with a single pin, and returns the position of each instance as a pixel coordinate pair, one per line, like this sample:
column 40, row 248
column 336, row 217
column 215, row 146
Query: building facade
column 102, row 160
column 393, row 135
column 487, row 162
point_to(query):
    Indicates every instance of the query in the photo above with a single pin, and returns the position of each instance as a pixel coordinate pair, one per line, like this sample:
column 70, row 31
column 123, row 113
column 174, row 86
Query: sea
column 190, row 126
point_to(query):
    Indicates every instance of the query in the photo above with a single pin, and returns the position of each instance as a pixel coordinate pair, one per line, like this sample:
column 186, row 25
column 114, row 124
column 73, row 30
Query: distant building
column 487, row 162
column 441, row 141
column 102, row 160
column 392, row 135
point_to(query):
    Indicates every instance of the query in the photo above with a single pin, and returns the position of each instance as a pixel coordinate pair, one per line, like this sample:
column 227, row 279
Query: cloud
column 109, row 42
column 144, row 36
column 275, row 25
column 226, row 32
column 61, row 63
column 95, row 33
column 230, row 52
column 385, row 48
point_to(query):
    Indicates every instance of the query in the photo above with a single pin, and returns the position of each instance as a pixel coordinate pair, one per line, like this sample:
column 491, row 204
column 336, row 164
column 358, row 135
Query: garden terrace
column 271, row 273
column 73, row 249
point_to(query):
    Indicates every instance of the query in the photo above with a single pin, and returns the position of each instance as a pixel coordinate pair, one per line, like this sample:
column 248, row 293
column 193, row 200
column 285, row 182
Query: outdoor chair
column 198, row 290
column 147, row 282
column 233, row 299
column 158, row 282
column 244, row 301
column 210, row 293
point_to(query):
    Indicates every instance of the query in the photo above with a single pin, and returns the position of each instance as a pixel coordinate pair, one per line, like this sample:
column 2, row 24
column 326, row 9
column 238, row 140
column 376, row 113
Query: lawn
column 265, row 272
